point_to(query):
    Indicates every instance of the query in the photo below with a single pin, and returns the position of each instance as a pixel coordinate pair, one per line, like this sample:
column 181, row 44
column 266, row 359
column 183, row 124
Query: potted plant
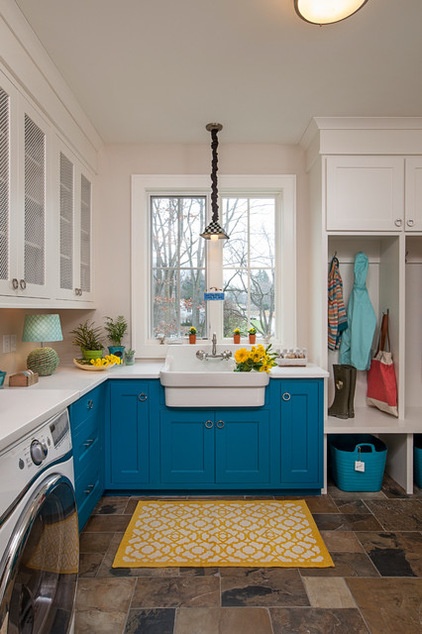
column 87, row 336
column 129, row 357
column 192, row 334
column 116, row 330
column 236, row 335
column 252, row 334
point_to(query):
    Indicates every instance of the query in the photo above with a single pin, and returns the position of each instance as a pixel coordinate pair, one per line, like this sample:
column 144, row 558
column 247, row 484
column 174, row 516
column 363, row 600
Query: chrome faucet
column 204, row 356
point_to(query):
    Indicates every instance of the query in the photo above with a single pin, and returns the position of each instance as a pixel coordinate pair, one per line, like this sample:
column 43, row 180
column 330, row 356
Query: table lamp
column 40, row 328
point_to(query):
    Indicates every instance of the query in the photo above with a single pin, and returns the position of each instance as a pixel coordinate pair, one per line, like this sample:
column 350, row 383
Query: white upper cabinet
column 5, row 189
column 413, row 194
column 365, row 193
column 74, row 190
column 374, row 193
column 24, row 215
column 45, row 211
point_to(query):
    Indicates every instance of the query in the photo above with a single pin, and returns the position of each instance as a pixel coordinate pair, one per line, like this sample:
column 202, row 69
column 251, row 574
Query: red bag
column 382, row 386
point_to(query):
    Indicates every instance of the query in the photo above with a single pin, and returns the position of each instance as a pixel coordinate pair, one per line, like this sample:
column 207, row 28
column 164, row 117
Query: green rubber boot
column 340, row 406
column 352, row 389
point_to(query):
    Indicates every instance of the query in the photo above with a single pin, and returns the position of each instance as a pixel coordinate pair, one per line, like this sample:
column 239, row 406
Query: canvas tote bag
column 382, row 386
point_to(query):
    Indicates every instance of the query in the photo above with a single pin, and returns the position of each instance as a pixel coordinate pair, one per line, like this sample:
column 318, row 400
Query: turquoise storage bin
column 417, row 459
column 346, row 450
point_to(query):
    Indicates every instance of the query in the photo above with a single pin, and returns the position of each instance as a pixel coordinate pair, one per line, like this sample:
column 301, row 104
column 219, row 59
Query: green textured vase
column 44, row 361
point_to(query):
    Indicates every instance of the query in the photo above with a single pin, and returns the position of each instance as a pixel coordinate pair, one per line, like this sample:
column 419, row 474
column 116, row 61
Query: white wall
column 113, row 206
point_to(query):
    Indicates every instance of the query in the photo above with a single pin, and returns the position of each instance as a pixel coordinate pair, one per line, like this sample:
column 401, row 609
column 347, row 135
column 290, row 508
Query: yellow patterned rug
column 201, row 533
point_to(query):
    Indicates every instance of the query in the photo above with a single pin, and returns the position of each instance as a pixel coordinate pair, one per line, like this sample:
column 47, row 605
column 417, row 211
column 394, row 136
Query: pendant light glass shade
column 327, row 11
column 213, row 231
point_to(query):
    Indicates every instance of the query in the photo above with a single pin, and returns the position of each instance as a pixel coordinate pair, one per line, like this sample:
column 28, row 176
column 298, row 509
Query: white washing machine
column 39, row 540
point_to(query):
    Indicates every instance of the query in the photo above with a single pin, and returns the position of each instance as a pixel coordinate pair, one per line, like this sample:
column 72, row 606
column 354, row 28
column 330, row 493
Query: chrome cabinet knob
column 410, row 222
column 220, row 424
column 209, row 424
column 286, row 396
column 398, row 222
column 142, row 397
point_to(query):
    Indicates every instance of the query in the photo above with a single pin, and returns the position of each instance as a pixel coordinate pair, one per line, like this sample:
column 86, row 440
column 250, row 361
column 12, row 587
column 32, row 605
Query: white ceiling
column 158, row 70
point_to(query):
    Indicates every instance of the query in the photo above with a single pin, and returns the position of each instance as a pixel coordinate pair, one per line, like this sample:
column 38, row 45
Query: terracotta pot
column 192, row 338
column 252, row 338
column 236, row 338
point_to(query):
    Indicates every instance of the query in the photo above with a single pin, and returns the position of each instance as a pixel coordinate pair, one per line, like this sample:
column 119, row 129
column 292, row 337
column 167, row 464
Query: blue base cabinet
column 297, row 405
column 87, row 425
column 215, row 448
column 151, row 447
column 128, row 447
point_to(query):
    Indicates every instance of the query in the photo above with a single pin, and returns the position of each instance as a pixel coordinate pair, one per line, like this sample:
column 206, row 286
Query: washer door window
column 40, row 566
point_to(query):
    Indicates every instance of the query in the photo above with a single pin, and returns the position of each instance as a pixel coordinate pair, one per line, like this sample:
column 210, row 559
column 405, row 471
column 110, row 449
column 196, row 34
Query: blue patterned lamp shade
column 42, row 328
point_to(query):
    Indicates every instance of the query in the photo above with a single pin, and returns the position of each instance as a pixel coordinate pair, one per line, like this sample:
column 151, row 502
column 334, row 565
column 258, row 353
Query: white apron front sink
column 190, row 382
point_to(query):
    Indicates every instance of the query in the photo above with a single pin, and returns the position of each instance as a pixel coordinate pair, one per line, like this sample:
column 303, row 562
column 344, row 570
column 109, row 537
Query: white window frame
column 143, row 186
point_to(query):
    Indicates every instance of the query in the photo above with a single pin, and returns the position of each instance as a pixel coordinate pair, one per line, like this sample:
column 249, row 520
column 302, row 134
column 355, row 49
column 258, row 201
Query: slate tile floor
column 375, row 540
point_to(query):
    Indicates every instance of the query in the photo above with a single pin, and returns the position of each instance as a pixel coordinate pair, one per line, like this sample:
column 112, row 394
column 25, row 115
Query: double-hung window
column 172, row 266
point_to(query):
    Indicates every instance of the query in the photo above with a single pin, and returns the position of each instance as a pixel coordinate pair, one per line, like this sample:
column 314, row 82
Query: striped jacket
column 337, row 318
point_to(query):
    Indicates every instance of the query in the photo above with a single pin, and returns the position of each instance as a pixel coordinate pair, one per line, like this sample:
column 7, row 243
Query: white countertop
column 23, row 409
column 309, row 371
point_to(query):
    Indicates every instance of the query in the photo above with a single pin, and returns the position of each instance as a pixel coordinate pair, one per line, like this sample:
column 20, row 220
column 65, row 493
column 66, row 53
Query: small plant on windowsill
column 192, row 334
column 236, row 335
column 252, row 334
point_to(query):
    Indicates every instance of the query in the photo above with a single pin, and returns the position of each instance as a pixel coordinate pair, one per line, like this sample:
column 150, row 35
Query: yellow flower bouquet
column 257, row 358
column 107, row 361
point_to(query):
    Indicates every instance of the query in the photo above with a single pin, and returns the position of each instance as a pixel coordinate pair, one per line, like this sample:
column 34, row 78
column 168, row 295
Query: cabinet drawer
column 88, row 405
column 89, row 488
column 88, row 428
column 87, row 480
column 88, row 452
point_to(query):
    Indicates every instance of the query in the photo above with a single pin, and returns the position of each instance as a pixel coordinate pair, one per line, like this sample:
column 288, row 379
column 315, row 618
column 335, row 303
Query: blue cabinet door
column 128, row 433
column 242, row 440
column 187, row 447
column 215, row 449
column 300, row 402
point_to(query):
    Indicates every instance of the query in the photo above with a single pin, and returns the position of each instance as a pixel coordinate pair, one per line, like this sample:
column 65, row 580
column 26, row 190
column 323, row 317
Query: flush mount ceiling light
column 213, row 231
column 327, row 11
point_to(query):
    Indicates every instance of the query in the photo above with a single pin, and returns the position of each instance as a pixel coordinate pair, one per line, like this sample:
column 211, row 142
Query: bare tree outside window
column 249, row 264
column 178, row 264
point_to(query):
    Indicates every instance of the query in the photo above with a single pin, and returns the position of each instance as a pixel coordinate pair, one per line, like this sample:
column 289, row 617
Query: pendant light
column 327, row 11
column 213, row 231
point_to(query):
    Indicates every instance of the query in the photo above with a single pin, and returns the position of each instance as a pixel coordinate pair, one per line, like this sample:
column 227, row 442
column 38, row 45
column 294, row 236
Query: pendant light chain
column 214, row 168
column 213, row 231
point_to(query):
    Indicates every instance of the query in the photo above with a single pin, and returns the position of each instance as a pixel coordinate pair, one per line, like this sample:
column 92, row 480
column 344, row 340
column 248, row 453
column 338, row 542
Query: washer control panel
column 21, row 462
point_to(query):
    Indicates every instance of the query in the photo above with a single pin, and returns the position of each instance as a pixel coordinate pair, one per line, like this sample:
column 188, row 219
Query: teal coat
column 356, row 342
